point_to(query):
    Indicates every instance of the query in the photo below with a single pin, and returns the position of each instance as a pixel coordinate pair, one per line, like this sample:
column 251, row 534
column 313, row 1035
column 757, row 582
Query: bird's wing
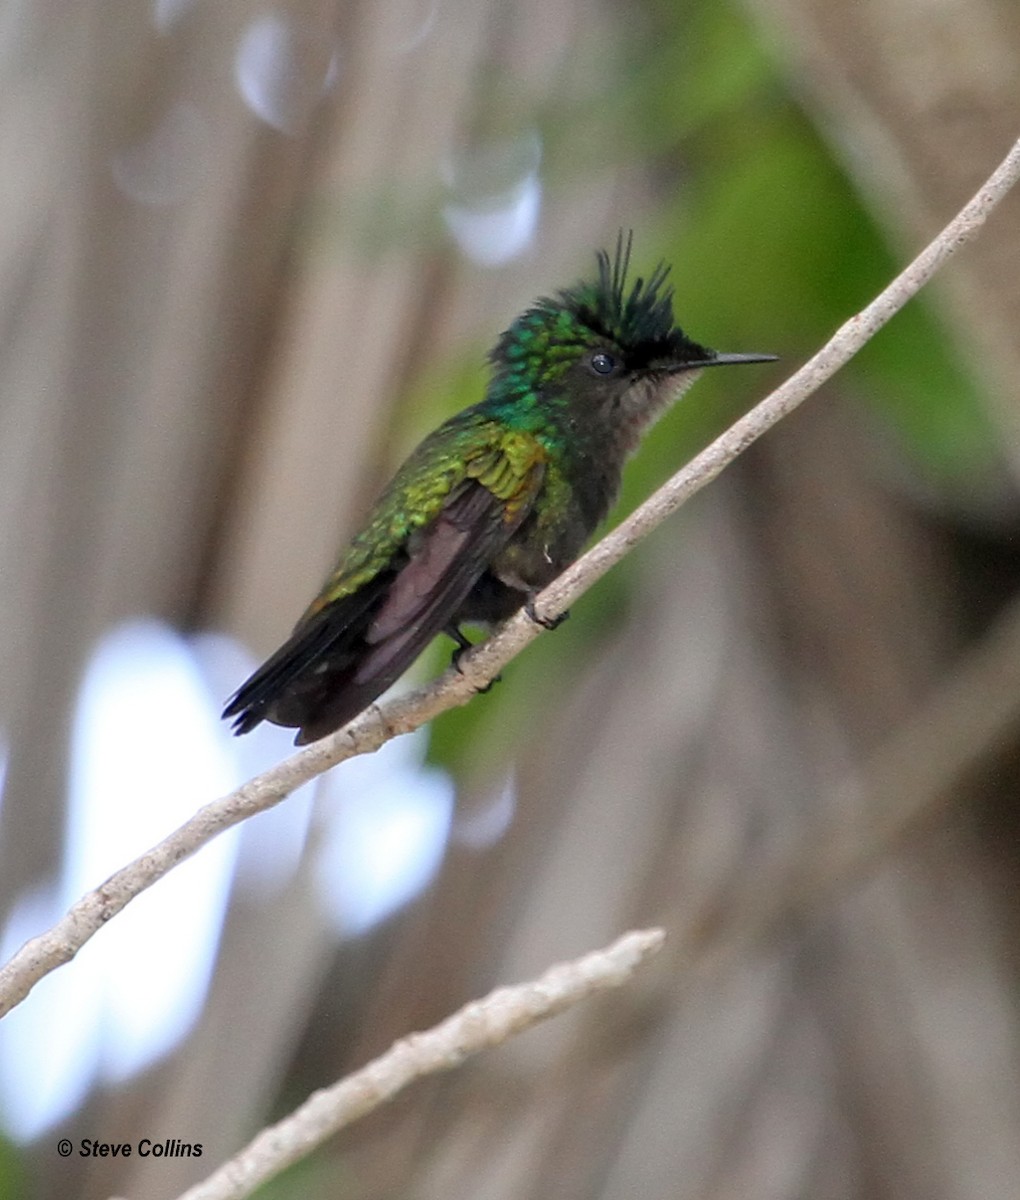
column 508, row 464
column 400, row 582
column 451, row 552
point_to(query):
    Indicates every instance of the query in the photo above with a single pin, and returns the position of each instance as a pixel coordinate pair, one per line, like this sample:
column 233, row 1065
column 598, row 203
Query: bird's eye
column 602, row 363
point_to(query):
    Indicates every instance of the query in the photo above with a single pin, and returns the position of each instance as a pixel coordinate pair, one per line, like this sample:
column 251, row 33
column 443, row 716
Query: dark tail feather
column 349, row 686
column 257, row 698
column 321, row 651
column 348, row 653
column 333, row 666
column 421, row 599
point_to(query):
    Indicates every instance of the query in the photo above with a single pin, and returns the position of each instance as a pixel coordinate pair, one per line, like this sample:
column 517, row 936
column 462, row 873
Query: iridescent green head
column 607, row 350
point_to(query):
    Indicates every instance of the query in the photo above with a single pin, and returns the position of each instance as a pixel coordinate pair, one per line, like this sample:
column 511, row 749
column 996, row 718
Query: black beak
column 725, row 360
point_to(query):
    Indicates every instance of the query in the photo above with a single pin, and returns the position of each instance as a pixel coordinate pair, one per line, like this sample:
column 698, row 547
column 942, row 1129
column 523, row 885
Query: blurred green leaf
column 13, row 1175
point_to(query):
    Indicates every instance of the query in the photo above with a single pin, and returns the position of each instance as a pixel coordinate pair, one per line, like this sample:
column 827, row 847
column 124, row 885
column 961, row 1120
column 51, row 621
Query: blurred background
column 249, row 254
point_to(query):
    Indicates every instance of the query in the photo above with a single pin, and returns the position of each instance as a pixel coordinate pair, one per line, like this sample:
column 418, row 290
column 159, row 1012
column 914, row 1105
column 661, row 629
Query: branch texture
column 378, row 723
column 477, row 1026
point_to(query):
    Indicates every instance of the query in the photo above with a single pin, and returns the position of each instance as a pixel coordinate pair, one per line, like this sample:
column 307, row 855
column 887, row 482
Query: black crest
column 641, row 316
column 637, row 318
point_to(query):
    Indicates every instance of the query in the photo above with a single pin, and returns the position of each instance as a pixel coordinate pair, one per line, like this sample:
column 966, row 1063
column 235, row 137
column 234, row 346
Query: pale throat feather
column 647, row 400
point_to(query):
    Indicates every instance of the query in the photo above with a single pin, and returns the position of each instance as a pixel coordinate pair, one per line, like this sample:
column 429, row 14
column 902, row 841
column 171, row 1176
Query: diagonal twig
column 58, row 945
column 476, row 1026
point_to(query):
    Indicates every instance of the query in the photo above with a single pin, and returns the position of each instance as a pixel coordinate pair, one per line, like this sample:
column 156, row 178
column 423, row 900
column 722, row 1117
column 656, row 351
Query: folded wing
column 354, row 642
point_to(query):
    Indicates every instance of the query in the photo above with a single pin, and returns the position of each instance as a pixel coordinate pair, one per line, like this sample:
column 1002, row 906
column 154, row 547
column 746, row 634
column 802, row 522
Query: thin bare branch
column 378, row 723
column 477, row 1026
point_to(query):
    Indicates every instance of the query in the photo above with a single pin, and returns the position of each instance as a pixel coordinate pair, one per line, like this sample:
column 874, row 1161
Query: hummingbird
column 493, row 504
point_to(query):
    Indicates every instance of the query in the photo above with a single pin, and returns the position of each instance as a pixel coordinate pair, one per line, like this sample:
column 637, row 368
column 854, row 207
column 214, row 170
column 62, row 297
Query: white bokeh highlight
column 149, row 748
column 386, row 821
column 283, row 69
column 146, row 751
column 496, row 198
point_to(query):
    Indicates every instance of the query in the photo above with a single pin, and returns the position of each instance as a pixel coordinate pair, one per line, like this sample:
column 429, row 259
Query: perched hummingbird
column 495, row 503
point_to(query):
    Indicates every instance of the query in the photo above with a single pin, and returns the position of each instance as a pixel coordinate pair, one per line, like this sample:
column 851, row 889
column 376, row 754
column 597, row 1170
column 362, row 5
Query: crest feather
column 635, row 317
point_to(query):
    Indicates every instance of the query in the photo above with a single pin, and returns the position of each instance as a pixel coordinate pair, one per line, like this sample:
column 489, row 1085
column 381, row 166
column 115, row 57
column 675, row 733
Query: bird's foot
column 545, row 622
column 452, row 631
column 463, row 645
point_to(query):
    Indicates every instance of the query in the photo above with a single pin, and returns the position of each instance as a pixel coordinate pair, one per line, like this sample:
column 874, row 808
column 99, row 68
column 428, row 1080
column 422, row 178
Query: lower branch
column 477, row 1026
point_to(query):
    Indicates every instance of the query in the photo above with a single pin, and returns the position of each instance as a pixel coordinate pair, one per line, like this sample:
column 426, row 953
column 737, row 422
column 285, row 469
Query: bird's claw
column 453, row 631
column 464, row 645
column 545, row 622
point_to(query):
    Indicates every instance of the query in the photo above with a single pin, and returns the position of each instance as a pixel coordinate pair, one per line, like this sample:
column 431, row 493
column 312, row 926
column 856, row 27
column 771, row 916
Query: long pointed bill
column 724, row 360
